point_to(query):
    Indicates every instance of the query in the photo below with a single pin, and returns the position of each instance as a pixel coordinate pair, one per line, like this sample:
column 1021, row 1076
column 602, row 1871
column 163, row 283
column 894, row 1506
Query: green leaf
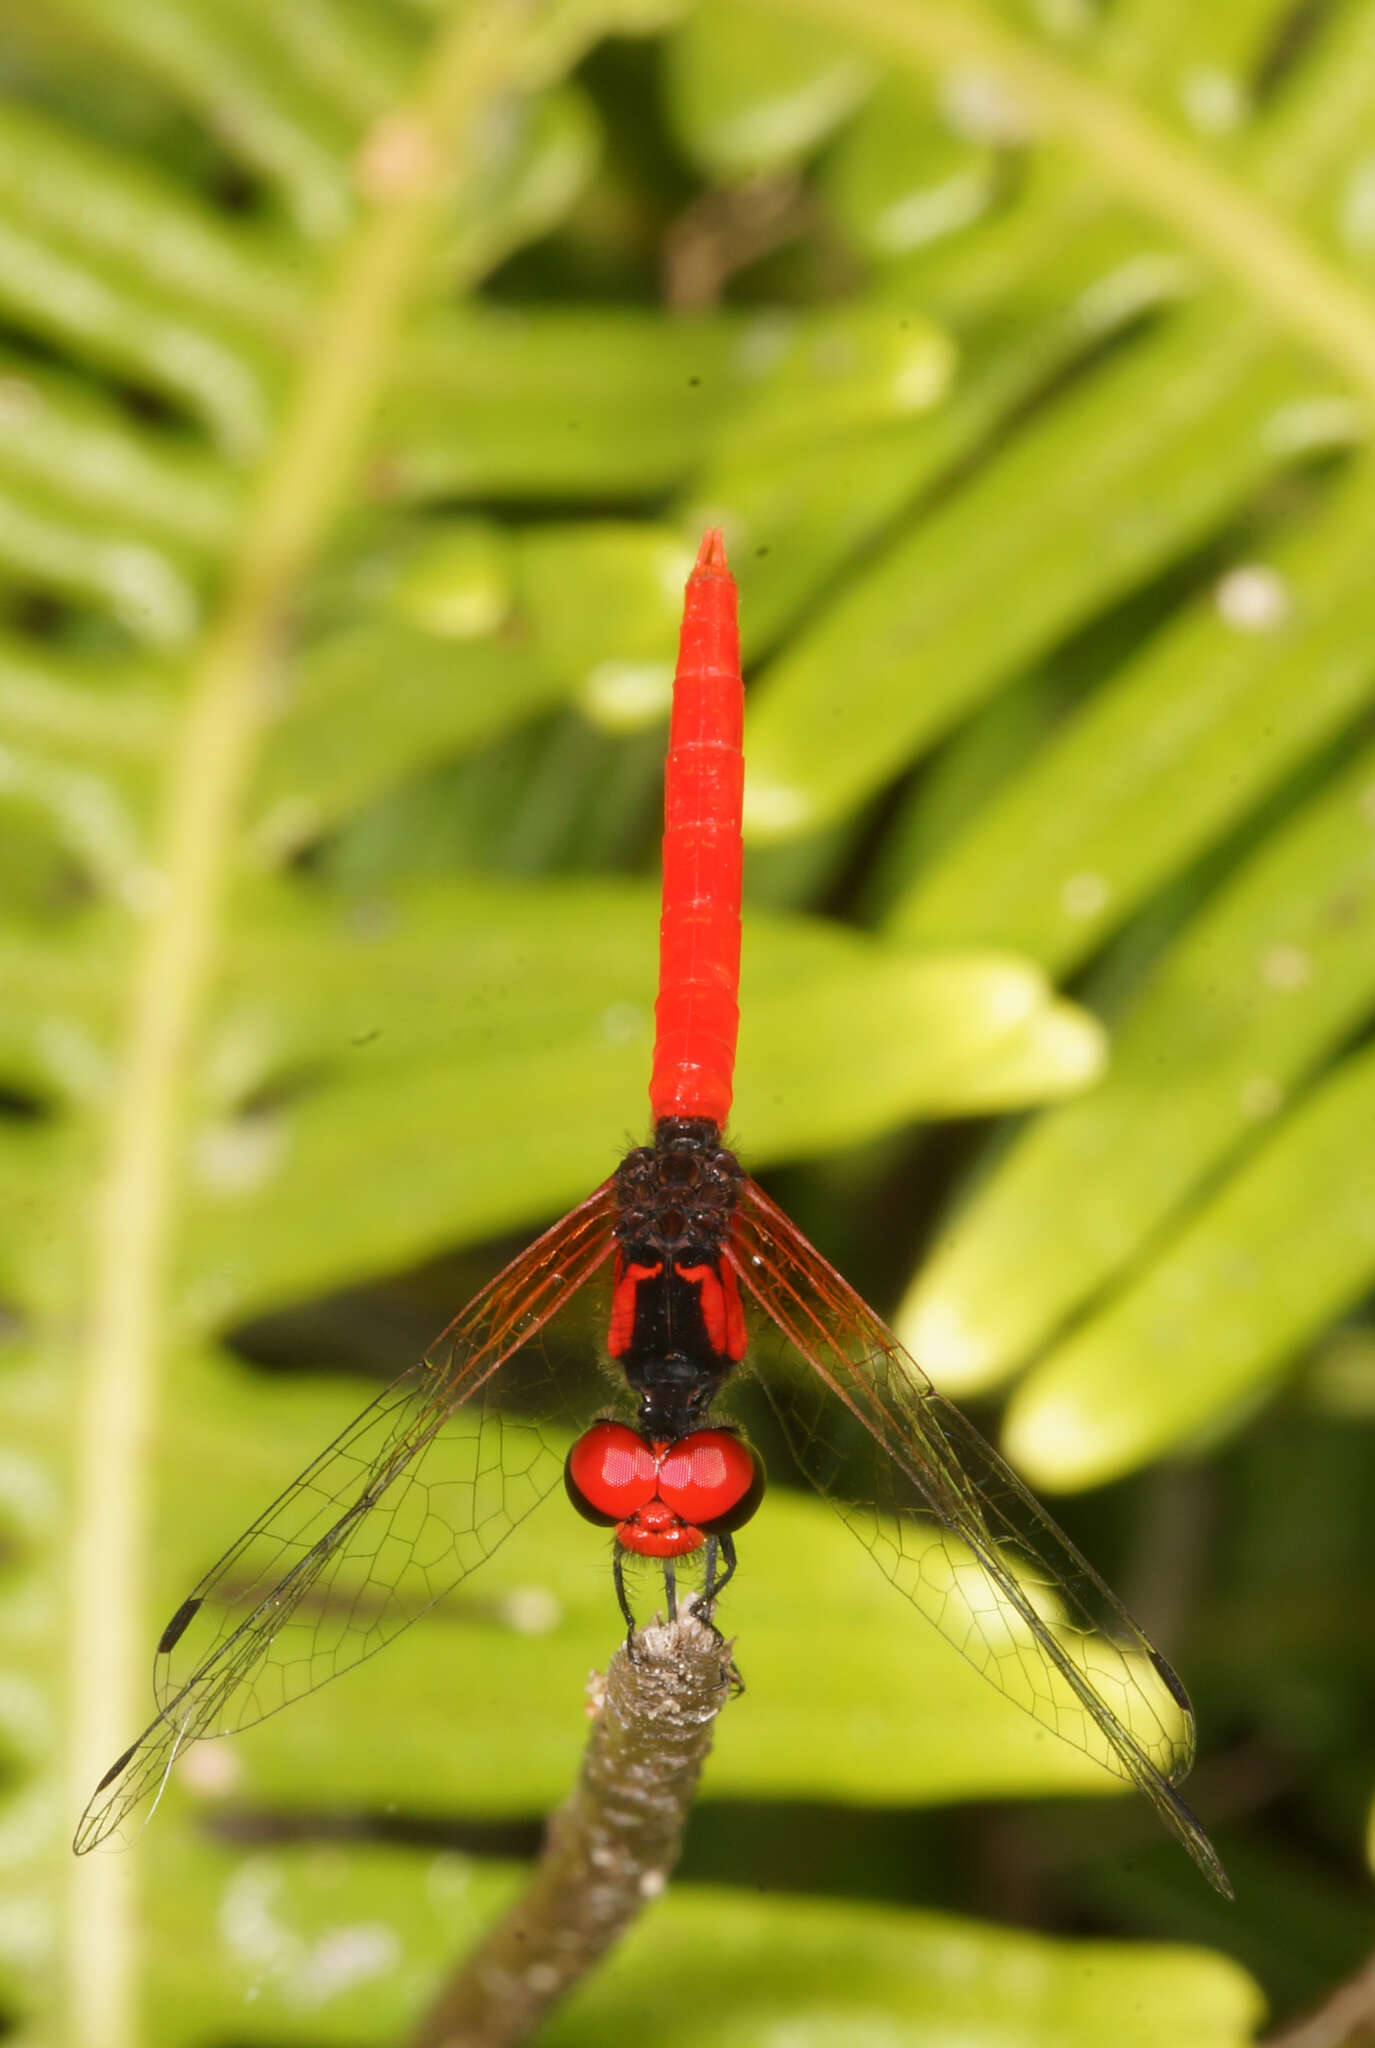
column 1242, row 688
column 111, row 210
column 62, row 437
column 344, row 1944
column 1222, row 1310
column 146, row 588
column 374, row 701
column 902, row 178
column 918, row 634
column 849, row 1975
column 1264, row 985
column 603, row 602
column 748, row 95
column 547, row 155
column 250, row 83
column 539, row 403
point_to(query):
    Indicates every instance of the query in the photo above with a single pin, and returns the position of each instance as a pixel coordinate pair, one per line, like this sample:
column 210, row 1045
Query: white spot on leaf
column 1261, row 1096
column 983, row 106
column 623, row 696
column 1214, row 101
column 1286, row 967
column 1253, row 599
column 531, row 1610
column 237, row 1158
column 310, row 1973
column 1084, row 894
column 624, row 1023
column 774, row 810
column 1356, row 223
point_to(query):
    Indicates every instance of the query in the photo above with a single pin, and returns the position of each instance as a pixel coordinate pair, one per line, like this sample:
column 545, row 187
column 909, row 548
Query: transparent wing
column 956, row 1531
column 414, row 1494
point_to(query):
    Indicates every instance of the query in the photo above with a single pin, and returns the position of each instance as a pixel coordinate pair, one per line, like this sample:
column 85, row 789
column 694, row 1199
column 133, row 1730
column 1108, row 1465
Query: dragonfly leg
column 719, row 1549
column 671, row 1589
column 720, row 1552
column 720, row 1569
column 622, row 1598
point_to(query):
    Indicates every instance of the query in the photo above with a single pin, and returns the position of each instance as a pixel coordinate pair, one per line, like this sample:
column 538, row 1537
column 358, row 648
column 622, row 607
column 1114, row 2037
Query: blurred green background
column 368, row 371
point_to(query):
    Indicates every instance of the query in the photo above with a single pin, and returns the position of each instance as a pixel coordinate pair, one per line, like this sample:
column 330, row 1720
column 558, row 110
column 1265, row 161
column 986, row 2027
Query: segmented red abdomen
column 697, row 1014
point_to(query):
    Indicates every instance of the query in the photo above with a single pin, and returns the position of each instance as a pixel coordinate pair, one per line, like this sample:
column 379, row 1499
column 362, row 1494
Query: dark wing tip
column 116, row 1767
column 1173, row 1683
column 94, row 1825
column 178, row 1625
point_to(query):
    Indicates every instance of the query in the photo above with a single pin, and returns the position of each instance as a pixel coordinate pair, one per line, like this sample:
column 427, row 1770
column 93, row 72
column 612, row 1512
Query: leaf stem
column 1155, row 169
column 402, row 171
column 611, row 1845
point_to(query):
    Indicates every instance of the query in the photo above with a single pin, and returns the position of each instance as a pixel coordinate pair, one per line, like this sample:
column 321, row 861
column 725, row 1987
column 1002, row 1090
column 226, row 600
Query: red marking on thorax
column 697, row 1014
column 628, row 1278
column 719, row 1295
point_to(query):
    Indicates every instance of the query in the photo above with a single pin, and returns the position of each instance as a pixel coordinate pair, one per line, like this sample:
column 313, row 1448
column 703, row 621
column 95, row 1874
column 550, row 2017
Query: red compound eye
column 610, row 1473
column 711, row 1479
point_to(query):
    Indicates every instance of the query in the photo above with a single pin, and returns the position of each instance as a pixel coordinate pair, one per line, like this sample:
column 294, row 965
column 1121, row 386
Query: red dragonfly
column 430, row 1478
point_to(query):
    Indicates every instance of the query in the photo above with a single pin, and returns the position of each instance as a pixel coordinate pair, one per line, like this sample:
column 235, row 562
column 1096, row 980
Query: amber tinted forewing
column 955, row 1530
column 414, row 1495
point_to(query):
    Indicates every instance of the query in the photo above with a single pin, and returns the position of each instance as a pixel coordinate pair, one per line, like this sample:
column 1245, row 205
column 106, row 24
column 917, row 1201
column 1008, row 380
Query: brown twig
column 722, row 232
column 610, row 1847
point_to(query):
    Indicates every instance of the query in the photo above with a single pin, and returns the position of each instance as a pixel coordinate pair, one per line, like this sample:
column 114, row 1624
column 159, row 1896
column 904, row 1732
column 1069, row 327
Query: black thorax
column 677, row 1197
